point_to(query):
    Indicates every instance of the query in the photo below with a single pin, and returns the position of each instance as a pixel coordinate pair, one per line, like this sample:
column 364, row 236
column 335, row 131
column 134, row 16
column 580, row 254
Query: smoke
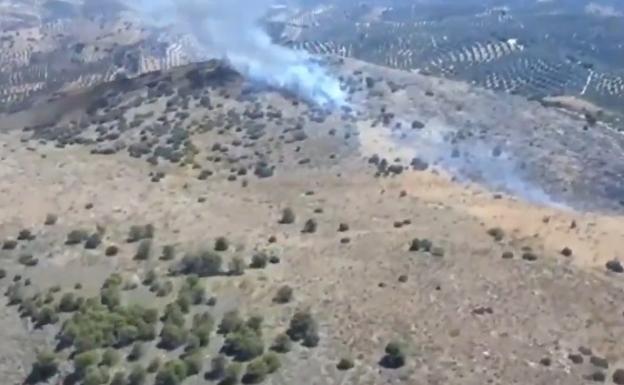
column 231, row 30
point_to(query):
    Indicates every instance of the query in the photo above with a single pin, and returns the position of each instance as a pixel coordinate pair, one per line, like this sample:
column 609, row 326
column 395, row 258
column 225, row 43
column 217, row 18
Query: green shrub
column 137, row 376
column 204, row 263
column 93, row 241
column 244, row 344
column 168, row 253
column 236, row 266
column 119, row 378
column 76, row 236
column 172, row 373
column 84, row 360
column 150, row 277
column 272, row 362
column 172, row 336
column 96, row 376
column 344, row 364
column 256, row 371
column 154, row 365
column 231, row 374
column 194, row 362
column 259, row 260
column 303, row 328
column 217, row 367
column 136, row 352
column 394, row 357
column 50, row 220
column 282, row 344
column 173, row 314
column 284, row 294
column 9, row 244
column 497, row 233
column 221, row 244
column 110, row 297
column 203, row 325
column 111, row 251
column 28, row 260
column 44, row 367
column 138, row 233
column 3, row 273
column 255, row 323
column 288, row 216
column 310, row 226
column 144, row 250
column 230, row 322
column 110, row 357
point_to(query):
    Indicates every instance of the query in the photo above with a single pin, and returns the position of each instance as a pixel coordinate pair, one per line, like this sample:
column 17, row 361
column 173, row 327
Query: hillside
column 422, row 234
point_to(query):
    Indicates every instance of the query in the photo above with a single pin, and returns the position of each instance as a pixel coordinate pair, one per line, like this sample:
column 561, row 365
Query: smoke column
column 230, row 29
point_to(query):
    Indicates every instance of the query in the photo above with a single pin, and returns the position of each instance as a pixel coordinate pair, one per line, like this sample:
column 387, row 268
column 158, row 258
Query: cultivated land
column 191, row 194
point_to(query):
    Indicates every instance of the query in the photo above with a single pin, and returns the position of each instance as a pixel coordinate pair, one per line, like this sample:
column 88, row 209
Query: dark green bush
column 204, row 263
column 310, row 226
column 256, row 371
column 344, row 364
column 111, row 251
column 259, row 260
column 394, row 357
column 288, row 216
column 144, row 250
column 119, row 378
column 230, row 322
column 244, row 344
column 136, row 352
column 172, row 373
column 172, row 336
column 202, row 327
column 282, row 343
column 50, row 220
column 137, row 376
column 272, row 362
column 9, row 244
column 217, row 367
column 44, row 367
column 138, row 233
column 93, row 241
column 221, row 244
column 232, row 374
column 284, row 295
column 168, row 253
column 96, row 376
column 76, row 236
column 84, row 360
column 303, row 328
column 194, row 362
column 110, row 357
column 154, row 365
column 28, row 260
column 236, row 266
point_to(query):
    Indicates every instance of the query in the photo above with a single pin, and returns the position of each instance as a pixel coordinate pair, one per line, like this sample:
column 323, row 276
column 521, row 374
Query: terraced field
column 531, row 50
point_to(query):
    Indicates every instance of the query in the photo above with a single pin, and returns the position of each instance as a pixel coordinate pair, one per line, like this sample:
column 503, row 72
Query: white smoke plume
column 231, row 30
